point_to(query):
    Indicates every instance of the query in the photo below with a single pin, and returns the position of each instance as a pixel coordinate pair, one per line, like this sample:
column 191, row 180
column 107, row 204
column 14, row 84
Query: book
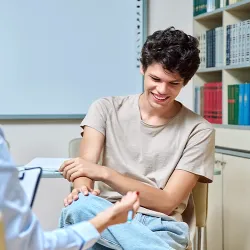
column 241, row 103
column 246, row 105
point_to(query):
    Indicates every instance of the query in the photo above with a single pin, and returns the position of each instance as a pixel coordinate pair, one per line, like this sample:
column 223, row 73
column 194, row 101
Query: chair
column 74, row 147
column 2, row 235
column 200, row 197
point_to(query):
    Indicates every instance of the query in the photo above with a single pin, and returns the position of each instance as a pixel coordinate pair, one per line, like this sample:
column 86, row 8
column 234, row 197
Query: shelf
column 229, row 67
column 240, row 6
column 212, row 69
column 213, row 14
column 239, row 127
column 237, row 66
column 227, row 74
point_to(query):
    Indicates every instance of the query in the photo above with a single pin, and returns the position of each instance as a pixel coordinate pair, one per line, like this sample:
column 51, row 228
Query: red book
column 205, row 101
column 213, row 102
column 219, row 102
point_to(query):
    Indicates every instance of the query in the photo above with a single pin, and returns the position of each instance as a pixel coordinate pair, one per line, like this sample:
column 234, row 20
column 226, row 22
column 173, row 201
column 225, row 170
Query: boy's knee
column 85, row 208
column 79, row 210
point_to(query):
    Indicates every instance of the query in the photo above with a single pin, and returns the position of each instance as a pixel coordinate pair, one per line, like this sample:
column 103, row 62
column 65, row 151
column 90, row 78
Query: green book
column 236, row 104
column 229, row 104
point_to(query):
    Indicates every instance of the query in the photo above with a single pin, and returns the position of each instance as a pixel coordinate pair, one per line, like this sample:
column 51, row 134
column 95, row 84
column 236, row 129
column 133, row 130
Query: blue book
column 195, row 99
column 247, row 104
column 241, row 103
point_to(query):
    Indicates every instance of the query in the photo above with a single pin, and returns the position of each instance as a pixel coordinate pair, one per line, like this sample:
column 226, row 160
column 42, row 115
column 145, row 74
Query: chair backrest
column 74, row 147
column 200, row 196
column 2, row 234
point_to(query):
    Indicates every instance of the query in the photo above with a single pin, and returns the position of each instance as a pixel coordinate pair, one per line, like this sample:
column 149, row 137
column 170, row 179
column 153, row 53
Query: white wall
column 50, row 138
column 177, row 13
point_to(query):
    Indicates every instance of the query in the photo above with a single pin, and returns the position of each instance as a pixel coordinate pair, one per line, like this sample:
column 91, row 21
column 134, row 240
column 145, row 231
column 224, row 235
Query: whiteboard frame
column 76, row 116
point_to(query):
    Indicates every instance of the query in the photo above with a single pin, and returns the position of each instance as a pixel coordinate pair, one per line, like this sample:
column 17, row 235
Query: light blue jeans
column 143, row 233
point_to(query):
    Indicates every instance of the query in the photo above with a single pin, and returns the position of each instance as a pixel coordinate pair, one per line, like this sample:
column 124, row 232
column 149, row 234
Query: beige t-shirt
column 149, row 153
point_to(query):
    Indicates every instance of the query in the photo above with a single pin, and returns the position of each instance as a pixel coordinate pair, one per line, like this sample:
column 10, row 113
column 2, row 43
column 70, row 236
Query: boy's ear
column 141, row 70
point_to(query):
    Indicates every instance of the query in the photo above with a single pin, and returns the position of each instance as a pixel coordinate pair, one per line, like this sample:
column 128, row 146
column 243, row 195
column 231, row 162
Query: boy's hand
column 78, row 167
column 74, row 195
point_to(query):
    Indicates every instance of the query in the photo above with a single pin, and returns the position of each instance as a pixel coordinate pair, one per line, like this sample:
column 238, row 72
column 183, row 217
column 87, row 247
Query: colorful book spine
column 230, row 104
column 246, row 105
column 236, row 104
column 241, row 103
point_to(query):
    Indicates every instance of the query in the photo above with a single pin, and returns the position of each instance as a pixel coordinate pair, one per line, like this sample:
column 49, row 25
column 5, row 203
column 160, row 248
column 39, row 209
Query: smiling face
column 161, row 87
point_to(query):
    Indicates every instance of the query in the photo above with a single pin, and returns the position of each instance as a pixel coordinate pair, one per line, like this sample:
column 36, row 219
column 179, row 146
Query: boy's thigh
column 174, row 233
column 144, row 231
column 83, row 209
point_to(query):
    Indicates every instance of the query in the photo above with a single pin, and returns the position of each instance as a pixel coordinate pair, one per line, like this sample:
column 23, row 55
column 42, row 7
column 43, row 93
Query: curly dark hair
column 176, row 51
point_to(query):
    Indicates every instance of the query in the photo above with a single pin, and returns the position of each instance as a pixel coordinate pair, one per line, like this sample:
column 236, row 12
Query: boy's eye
column 174, row 83
column 155, row 79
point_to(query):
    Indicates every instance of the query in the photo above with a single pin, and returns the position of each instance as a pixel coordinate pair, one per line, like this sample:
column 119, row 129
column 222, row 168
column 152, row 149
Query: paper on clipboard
column 29, row 180
column 47, row 164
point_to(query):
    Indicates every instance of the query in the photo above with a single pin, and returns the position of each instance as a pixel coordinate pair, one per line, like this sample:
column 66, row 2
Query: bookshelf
column 229, row 65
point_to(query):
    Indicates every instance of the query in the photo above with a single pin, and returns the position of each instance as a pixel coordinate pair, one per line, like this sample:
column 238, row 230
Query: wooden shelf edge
column 212, row 69
column 220, row 10
column 228, row 126
column 208, row 14
column 237, row 5
column 229, row 67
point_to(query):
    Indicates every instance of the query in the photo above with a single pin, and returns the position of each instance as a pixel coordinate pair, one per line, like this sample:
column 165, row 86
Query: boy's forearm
column 150, row 197
column 83, row 181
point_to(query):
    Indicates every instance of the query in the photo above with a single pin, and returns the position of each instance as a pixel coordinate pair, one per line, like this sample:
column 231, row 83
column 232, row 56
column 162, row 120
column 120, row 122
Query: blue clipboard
column 29, row 180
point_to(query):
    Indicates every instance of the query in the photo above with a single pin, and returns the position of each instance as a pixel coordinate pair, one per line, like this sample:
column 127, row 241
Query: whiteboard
column 58, row 56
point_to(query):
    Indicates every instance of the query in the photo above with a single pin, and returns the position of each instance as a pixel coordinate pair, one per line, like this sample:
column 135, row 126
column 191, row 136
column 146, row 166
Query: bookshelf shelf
column 230, row 67
column 209, row 70
column 224, row 36
column 226, row 126
column 239, row 67
column 210, row 15
column 239, row 6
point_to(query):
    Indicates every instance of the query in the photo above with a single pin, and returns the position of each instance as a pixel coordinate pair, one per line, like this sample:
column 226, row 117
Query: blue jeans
column 143, row 233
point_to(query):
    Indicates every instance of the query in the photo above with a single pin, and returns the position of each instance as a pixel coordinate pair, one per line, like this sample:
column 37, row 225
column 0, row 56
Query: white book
column 239, row 42
column 204, row 49
column 47, row 164
column 199, row 101
column 232, row 44
column 247, row 44
column 243, row 40
column 221, row 46
column 217, row 47
column 222, row 3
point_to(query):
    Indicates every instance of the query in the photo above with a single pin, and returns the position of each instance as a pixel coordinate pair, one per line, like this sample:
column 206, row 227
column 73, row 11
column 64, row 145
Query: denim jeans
column 143, row 233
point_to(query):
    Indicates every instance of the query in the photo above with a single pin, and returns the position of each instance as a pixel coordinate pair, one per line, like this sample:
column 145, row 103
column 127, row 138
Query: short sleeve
column 97, row 116
column 198, row 155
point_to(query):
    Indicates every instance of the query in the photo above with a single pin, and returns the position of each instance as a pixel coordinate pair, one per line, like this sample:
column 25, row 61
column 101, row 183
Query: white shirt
column 22, row 229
